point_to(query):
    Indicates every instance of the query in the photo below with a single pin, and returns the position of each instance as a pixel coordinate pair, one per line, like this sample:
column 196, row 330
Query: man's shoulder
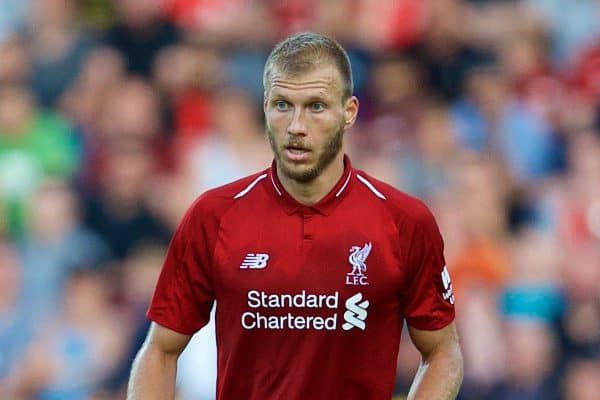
column 220, row 198
column 400, row 204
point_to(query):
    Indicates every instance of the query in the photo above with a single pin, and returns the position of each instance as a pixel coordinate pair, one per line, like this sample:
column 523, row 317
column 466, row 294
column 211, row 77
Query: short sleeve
column 429, row 300
column 184, row 292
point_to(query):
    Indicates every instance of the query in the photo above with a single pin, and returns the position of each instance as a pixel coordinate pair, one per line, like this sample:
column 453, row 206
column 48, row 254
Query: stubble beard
column 327, row 155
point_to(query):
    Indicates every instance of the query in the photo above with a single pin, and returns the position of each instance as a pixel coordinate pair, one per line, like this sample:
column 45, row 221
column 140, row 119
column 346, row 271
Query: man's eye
column 317, row 106
column 281, row 105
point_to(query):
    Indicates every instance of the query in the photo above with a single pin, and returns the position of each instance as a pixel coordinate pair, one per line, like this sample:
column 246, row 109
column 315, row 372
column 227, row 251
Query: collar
column 324, row 206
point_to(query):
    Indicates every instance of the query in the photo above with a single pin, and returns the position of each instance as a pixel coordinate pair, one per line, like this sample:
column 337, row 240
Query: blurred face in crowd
column 141, row 270
column 306, row 117
column 582, row 380
column 395, row 81
column 85, row 296
column 533, row 351
column 16, row 106
column 14, row 60
column 133, row 111
column 139, row 13
column 53, row 14
column 126, row 172
column 53, row 210
column 488, row 89
column 10, row 279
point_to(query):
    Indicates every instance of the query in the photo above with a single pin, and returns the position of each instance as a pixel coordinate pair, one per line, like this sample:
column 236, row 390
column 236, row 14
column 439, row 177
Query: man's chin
column 300, row 171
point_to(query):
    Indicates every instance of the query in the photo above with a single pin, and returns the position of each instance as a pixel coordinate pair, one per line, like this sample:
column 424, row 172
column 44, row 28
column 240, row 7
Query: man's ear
column 350, row 111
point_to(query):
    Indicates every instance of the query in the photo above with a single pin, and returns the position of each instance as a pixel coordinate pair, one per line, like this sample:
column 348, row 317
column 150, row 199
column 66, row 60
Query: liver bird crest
column 357, row 258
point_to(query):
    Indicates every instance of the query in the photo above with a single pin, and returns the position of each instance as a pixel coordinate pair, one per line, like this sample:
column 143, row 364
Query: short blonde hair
column 304, row 51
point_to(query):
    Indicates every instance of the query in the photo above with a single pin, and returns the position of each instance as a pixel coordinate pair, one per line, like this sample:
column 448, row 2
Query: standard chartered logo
column 356, row 313
column 309, row 311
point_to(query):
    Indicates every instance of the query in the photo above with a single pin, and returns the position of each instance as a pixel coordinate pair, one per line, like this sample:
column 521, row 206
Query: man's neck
column 309, row 193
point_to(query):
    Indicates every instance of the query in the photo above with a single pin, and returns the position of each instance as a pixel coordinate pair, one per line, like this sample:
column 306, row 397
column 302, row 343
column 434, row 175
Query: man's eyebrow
column 278, row 96
column 320, row 95
column 309, row 100
column 317, row 97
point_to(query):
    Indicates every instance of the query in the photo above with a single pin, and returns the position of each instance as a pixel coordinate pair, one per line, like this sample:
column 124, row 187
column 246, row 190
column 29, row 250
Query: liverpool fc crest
column 357, row 258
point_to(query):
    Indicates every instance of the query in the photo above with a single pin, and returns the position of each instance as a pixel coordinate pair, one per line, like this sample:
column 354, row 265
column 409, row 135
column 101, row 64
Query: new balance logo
column 255, row 261
column 356, row 313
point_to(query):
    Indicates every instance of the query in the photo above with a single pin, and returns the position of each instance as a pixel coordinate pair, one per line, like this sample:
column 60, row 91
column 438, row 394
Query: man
column 313, row 264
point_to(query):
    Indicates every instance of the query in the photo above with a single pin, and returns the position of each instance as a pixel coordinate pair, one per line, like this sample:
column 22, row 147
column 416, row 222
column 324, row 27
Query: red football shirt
column 310, row 300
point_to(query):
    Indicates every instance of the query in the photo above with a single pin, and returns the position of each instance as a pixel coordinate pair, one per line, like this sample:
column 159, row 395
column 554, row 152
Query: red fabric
column 293, row 16
column 406, row 24
column 545, row 92
column 309, row 251
column 587, row 72
column 193, row 114
column 391, row 24
column 200, row 13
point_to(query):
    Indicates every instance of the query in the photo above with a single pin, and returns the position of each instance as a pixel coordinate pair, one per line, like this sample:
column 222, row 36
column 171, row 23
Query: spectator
column 490, row 120
column 238, row 144
column 444, row 52
column 15, row 326
column 33, row 144
column 13, row 16
column 140, row 33
column 76, row 347
column 573, row 27
column 135, row 280
column 120, row 212
column 59, row 48
column 55, row 244
column 530, row 363
column 14, row 60
column 581, row 380
column 187, row 76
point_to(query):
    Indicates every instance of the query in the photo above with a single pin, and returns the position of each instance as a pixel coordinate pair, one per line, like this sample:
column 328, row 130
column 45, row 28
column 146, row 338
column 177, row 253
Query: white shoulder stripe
column 370, row 186
column 344, row 185
column 275, row 186
column 250, row 186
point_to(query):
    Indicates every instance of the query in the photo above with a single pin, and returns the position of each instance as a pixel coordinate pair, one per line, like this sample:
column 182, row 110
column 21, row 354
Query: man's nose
column 297, row 125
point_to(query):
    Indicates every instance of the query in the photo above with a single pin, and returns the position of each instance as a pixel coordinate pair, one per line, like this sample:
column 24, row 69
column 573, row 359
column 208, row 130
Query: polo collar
column 324, row 206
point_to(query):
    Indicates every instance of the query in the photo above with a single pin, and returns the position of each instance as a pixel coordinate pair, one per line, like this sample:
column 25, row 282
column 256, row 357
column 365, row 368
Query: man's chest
column 301, row 261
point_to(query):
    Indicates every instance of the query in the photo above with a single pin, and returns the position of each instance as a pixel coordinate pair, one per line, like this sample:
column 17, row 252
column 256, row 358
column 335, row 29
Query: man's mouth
column 296, row 153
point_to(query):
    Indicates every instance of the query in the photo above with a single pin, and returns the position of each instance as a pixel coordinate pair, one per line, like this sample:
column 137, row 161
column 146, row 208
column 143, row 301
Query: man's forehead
column 318, row 78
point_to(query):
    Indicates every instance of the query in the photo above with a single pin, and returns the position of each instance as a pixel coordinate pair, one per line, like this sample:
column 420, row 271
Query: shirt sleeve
column 184, row 292
column 429, row 301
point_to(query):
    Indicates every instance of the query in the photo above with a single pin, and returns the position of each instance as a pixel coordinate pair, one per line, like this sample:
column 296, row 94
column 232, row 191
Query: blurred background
column 115, row 115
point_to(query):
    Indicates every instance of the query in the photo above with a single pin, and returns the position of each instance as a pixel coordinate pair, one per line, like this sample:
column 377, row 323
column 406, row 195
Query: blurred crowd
column 115, row 115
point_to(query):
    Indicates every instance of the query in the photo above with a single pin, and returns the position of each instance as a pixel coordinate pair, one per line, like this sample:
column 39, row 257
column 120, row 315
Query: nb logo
column 255, row 261
column 356, row 313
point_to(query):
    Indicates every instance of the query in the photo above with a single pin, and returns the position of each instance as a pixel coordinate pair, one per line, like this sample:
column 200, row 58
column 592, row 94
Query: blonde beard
column 327, row 155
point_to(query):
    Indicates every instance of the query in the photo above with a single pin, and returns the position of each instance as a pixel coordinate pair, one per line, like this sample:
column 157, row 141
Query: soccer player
column 313, row 264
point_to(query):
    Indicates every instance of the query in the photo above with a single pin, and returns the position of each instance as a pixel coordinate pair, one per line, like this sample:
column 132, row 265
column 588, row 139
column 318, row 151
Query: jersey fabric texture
column 310, row 299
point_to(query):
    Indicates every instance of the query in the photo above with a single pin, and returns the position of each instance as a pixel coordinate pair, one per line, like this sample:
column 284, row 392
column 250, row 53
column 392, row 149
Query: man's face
column 306, row 119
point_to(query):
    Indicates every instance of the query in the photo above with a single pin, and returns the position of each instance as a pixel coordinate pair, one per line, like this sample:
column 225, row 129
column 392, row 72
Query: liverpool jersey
column 310, row 299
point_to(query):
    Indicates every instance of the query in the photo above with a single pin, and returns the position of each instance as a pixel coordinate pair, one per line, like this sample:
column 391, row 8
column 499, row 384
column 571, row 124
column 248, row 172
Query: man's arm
column 441, row 371
column 155, row 367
